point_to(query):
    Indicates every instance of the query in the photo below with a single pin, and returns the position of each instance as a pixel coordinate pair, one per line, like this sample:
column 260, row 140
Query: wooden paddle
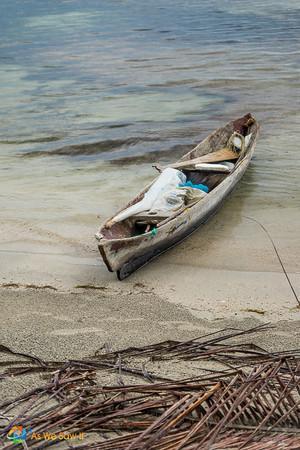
column 224, row 154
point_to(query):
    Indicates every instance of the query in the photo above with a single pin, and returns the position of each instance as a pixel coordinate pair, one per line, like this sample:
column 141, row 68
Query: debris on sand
column 252, row 401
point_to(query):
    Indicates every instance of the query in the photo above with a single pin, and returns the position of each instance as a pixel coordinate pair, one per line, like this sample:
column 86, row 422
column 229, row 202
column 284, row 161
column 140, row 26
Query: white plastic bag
column 161, row 195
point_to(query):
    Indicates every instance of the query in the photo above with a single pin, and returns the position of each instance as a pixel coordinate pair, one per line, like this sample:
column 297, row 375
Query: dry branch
column 255, row 404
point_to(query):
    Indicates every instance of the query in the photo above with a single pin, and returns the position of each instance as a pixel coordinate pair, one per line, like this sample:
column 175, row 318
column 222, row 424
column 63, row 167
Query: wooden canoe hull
column 133, row 253
column 139, row 261
column 125, row 255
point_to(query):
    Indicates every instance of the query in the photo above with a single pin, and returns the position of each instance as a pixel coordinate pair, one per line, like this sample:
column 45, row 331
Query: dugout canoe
column 127, row 245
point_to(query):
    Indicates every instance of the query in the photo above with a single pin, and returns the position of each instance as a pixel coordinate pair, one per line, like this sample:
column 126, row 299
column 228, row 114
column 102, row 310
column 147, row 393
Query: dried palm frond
column 255, row 404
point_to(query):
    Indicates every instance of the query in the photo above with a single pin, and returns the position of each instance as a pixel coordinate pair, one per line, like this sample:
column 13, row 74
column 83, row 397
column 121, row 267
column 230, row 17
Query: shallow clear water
column 92, row 92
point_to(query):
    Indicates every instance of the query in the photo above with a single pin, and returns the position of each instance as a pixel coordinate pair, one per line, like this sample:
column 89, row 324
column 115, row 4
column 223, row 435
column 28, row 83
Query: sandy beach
column 60, row 302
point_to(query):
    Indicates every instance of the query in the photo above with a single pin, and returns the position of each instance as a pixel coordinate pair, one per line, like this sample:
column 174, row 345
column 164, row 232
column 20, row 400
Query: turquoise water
column 93, row 92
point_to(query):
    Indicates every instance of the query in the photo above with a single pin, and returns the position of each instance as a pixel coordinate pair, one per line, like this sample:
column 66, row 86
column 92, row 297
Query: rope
column 278, row 256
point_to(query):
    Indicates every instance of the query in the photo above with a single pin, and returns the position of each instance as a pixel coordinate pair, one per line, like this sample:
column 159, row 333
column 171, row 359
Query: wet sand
column 228, row 265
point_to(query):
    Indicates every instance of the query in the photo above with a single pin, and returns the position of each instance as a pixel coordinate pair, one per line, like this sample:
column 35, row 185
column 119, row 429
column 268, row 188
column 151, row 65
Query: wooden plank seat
column 144, row 219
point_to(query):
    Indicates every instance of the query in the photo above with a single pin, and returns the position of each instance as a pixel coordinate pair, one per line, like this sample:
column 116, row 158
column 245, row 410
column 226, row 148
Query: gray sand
column 62, row 325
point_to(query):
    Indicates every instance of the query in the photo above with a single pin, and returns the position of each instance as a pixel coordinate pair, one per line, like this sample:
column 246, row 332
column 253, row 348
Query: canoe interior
column 217, row 140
